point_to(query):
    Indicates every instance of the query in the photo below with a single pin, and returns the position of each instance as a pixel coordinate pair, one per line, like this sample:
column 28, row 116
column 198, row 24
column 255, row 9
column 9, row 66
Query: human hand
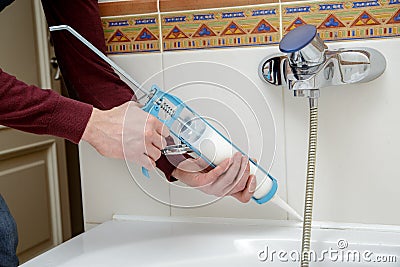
column 127, row 132
column 231, row 177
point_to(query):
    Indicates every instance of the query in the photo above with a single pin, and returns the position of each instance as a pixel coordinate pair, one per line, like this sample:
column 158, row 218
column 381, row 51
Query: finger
column 189, row 166
column 226, row 181
column 153, row 152
column 243, row 176
column 202, row 163
column 147, row 162
column 153, row 137
column 246, row 194
column 160, row 127
column 206, row 167
column 213, row 175
column 231, row 188
column 135, row 104
column 158, row 141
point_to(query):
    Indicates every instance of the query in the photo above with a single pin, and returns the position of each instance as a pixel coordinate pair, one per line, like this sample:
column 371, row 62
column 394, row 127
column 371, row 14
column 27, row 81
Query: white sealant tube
column 212, row 145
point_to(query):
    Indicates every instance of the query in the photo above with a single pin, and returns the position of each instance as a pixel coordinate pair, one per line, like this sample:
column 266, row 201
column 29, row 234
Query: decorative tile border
column 344, row 20
column 132, row 34
column 221, row 28
column 251, row 25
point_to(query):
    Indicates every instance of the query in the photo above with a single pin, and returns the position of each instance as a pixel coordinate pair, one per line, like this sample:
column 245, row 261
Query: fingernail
column 253, row 184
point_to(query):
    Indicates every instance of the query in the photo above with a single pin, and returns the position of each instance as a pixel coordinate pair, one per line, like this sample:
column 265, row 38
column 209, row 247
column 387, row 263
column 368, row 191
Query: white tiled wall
column 108, row 184
column 358, row 149
column 236, row 69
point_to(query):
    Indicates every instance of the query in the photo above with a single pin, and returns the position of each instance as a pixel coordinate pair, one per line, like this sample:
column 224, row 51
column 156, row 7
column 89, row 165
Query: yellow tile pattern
column 252, row 25
column 131, row 34
column 221, row 28
column 345, row 20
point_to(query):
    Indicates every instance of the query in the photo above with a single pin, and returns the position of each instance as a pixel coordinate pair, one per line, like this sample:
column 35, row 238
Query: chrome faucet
column 309, row 65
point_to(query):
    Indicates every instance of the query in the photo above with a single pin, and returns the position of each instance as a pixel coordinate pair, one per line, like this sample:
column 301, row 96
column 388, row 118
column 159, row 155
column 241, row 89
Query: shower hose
column 309, row 196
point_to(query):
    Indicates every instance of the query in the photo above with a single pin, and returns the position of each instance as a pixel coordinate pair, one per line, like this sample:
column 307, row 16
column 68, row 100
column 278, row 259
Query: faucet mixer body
column 309, row 65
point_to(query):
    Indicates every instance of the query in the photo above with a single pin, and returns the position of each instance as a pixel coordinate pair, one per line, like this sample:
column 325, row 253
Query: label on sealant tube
column 216, row 148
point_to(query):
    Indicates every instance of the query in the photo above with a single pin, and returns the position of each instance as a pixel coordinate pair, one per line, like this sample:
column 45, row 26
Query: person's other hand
column 127, row 131
column 231, row 177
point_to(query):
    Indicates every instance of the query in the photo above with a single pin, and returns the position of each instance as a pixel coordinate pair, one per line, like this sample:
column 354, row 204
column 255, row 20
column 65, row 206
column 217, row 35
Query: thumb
column 215, row 173
column 246, row 194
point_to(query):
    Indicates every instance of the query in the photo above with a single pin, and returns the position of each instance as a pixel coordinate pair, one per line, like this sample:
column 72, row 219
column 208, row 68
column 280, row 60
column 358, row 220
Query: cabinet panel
column 27, row 184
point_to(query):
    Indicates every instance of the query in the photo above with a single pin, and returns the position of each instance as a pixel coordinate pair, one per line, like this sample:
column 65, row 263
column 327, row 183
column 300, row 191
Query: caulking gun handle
column 153, row 110
column 148, row 108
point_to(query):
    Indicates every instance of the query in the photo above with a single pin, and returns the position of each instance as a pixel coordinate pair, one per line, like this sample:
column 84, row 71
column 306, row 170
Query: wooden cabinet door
column 33, row 177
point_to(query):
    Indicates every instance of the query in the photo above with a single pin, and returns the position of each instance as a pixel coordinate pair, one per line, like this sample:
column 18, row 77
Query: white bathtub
column 166, row 241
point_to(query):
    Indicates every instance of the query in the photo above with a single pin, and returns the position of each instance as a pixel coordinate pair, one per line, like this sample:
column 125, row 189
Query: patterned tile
column 251, row 25
column 131, row 34
column 233, row 27
column 342, row 20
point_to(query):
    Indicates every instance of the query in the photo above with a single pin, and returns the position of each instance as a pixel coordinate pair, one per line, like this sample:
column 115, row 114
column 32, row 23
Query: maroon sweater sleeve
column 88, row 78
column 31, row 109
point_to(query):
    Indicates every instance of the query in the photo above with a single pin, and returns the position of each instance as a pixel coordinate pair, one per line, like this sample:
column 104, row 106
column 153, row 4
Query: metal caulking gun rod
column 109, row 61
column 100, row 54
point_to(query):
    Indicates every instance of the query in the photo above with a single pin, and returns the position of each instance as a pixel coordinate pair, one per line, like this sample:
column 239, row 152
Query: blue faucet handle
column 298, row 38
